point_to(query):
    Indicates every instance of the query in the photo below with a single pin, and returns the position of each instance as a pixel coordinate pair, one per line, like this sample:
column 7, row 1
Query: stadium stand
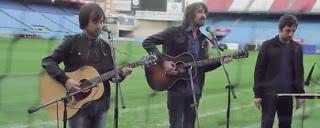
column 253, row 21
column 254, row 30
column 10, row 22
column 40, row 20
column 249, row 21
column 12, row 5
column 276, row 6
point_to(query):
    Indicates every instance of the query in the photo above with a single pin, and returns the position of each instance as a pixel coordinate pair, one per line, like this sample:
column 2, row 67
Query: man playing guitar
column 181, row 39
column 85, row 49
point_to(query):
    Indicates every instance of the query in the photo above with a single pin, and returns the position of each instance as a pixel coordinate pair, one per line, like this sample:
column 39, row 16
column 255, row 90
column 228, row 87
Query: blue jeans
column 89, row 118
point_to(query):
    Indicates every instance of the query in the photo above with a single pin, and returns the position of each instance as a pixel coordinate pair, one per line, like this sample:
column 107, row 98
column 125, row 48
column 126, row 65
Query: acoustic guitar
column 50, row 89
column 159, row 81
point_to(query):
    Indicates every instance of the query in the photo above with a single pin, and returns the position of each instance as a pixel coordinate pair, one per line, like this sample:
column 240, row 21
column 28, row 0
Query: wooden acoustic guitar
column 159, row 81
column 51, row 90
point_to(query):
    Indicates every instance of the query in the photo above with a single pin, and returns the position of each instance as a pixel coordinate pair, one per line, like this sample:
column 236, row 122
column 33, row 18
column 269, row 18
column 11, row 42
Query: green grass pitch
column 20, row 61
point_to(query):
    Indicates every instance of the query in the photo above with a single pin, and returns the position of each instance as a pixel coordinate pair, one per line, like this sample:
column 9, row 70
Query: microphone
column 214, row 38
column 208, row 29
column 106, row 29
column 307, row 82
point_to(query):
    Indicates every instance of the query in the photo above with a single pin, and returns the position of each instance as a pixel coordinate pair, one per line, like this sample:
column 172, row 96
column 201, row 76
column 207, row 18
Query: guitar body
column 159, row 81
column 51, row 89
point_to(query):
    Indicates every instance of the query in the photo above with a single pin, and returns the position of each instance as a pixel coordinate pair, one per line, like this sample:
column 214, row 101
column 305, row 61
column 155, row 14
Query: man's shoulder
column 296, row 44
column 269, row 41
column 71, row 38
column 174, row 28
column 104, row 42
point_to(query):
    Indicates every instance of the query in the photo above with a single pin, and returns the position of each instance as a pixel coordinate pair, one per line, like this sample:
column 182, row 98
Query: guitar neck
column 113, row 73
column 206, row 61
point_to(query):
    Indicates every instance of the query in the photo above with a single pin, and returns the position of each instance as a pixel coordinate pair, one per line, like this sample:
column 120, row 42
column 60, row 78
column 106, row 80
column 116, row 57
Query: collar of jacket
column 277, row 41
column 200, row 34
column 84, row 36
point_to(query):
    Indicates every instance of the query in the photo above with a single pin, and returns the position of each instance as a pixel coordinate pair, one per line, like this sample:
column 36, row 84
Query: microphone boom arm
column 307, row 82
column 214, row 39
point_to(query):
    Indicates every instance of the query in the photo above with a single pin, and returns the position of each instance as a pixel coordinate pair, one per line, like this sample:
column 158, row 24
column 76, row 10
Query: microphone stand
column 195, row 103
column 309, row 77
column 306, row 83
column 118, row 88
column 315, row 81
column 65, row 100
column 230, row 87
column 303, row 115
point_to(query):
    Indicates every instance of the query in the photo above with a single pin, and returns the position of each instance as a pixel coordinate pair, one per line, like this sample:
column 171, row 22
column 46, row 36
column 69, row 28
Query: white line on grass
column 214, row 113
column 255, row 125
column 295, row 114
column 164, row 103
column 224, row 110
column 37, row 124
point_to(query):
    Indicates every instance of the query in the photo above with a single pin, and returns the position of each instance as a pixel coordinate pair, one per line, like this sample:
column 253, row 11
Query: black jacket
column 267, row 67
column 73, row 52
column 174, row 41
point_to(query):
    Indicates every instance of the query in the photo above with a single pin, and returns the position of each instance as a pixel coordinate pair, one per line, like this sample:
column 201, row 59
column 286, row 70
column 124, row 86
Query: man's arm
column 300, row 83
column 259, row 72
column 162, row 38
column 149, row 44
column 122, row 74
column 51, row 63
column 300, row 72
column 210, row 67
column 217, row 64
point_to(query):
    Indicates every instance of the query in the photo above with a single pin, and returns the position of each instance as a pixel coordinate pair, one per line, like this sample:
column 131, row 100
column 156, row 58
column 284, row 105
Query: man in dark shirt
column 80, row 50
column 279, row 69
column 176, row 40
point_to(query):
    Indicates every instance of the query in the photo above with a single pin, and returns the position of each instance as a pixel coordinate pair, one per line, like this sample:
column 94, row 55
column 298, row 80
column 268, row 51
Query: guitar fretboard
column 114, row 73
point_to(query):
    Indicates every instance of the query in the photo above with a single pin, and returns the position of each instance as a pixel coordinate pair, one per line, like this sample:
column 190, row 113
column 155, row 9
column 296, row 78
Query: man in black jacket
column 279, row 69
column 80, row 50
column 177, row 40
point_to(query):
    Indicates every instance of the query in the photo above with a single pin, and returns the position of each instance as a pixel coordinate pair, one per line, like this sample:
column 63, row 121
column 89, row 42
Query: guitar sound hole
column 180, row 67
column 85, row 93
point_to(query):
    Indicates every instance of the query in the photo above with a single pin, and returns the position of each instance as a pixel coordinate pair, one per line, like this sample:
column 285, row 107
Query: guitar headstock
column 240, row 54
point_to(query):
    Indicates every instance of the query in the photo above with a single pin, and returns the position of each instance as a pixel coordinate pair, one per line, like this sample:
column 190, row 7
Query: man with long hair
column 176, row 40
column 279, row 69
column 85, row 49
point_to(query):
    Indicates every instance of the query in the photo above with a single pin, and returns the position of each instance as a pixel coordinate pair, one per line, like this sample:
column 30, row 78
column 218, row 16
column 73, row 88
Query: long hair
column 190, row 11
column 90, row 11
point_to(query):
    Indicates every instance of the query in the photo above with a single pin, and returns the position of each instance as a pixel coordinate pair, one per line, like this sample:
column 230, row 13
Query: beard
column 95, row 33
column 199, row 24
